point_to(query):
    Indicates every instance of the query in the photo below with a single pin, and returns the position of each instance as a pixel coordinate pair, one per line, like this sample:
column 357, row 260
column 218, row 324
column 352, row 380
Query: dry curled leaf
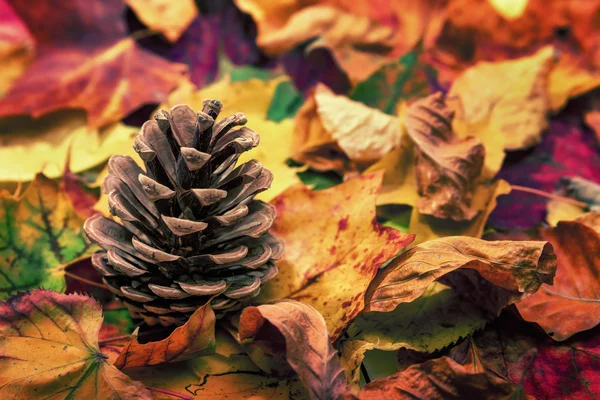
column 572, row 304
column 446, row 166
column 108, row 76
column 307, row 346
column 41, row 234
column 342, row 261
column 193, row 339
column 171, row 18
column 514, row 269
column 49, row 347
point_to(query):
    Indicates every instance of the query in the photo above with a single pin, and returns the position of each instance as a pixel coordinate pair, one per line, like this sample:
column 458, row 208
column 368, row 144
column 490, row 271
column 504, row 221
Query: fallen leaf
column 511, row 95
column 441, row 378
column 543, row 368
column 40, row 235
column 33, row 145
column 193, row 339
column 82, row 196
column 569, row 79
column 576, row 188
column 227, row 374
column 108, row 77
column 169, row 18
column 571, row 305
column 446, row 166
column 285, row 103
column 16, row 46
column 342, row 262
column 512, row 270
column 49, row 347
column 434, row 320
column 253, row 98
column 307, row 346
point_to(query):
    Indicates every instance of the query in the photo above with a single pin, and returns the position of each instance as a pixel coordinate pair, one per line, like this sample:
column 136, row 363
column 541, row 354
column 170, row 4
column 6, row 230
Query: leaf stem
column 548, row 195
column 170, row 393
column 365, row 374
column 84, row 280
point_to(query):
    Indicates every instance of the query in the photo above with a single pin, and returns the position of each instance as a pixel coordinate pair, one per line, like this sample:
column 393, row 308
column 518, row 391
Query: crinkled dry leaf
column 307, row 346
column 572, row 304
column 228, row 374
column 446, row 166
column 514, row 270
column 511, row 95
column 33, row 145
column 171, row 18
column 40, row 235
column 108, row 76
column 49, row 347
column 332, row 272
column 193, row 339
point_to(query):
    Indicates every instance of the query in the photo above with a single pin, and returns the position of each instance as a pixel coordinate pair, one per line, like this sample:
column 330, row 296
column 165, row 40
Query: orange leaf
column 49, row 347
column 84, row 60
column 334, row 247
column 193, row 339
column 307, row 346
column 572, row 304
column 171, row 18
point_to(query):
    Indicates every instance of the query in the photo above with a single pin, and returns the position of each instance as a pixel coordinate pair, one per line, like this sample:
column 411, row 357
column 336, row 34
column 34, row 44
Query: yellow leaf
column 171, row 18
column 33, row 145
column 49, row 347
column 567, row 80
column 511, row 95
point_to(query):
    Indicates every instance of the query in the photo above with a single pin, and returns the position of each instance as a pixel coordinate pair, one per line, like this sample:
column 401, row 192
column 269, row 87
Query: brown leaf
column 446, row 166
column 441, row 378
column 572, row 304
column 108, row 76
column 49, row 347
column 515, row 270
column 307, row 346
column 334, row 247
column 171, row 18
column 193, row 339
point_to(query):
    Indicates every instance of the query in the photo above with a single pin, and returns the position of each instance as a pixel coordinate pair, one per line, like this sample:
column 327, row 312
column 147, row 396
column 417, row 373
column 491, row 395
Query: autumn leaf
column 193, row 339
column 307, row 346
column 16, row 46
column 170, row 19
column 227, row 374
column 107, row 77
column 515, row 270
column 350, row 248
column 49, row 347
column 41, row 233
column 571, row 304
column 511, row 95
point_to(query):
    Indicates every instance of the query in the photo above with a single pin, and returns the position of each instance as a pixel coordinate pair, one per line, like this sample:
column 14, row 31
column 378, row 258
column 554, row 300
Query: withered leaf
column 193, row 339
column 572, row 304
column 514, row 269
column 446, row 166
column 307, row 346
column 49, row 347
column 107, row 76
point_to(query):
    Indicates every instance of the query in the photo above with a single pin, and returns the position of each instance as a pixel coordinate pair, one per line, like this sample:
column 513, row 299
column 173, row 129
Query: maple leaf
column 343, row 261
column 229, row 373
column 84, row 60
column 170, row 19
column 41, row 233
column 514, row 269
column 307, row 346
column 571, row 304
column 193, row 339
column 49, row 347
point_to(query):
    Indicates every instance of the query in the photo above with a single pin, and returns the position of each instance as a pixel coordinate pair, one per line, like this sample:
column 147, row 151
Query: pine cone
column 189, row 228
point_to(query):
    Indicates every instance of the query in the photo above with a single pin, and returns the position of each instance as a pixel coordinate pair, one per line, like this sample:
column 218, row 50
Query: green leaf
column 40, row 233
column 319, row 180
column 285, row 103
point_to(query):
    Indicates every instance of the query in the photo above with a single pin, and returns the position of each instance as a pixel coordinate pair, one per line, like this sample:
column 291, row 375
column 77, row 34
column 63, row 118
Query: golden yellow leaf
column 49, row 347
column 33, row 145
column 511, row 95
column 568, row 79
column 171, row 18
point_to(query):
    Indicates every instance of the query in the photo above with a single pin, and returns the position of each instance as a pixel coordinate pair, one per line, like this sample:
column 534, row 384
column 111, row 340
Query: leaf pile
column 436, row 179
